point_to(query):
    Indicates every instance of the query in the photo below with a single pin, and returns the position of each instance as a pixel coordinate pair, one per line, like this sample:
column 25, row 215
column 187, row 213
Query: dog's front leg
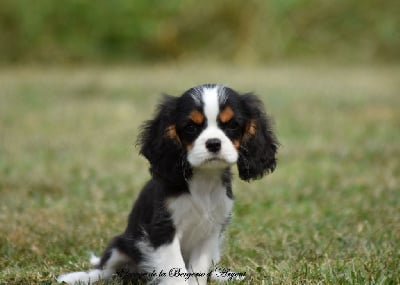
column 202, row 258
column 165, row 264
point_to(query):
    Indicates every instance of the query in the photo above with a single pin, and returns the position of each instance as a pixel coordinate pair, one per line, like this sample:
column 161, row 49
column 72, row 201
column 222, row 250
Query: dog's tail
column 88, row 277
column 94, row 260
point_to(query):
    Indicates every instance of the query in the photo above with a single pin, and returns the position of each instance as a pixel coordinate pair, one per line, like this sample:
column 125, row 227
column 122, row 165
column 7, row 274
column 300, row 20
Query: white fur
column 94, row 275
column 211, row 105
column 199, row 218
column 199, row 154
column 94, row 260
column 163, row 259
column 83, row 277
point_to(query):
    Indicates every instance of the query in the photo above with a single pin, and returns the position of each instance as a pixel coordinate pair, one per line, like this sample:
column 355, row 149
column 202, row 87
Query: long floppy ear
column 160, row 144
column 257, row 154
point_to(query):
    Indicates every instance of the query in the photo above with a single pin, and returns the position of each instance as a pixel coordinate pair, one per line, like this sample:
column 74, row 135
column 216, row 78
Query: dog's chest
column 203, row 212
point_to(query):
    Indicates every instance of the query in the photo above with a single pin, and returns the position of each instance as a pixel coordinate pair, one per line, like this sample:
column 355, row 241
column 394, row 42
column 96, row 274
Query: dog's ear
column 160, row 144
column 257, row 153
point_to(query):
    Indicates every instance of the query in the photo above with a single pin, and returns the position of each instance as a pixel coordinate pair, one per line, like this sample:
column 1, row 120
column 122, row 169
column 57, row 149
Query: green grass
column 329, row 214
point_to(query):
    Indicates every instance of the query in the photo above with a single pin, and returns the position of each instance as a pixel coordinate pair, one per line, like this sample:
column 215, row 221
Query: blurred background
column 256, row 31
column 78, row 77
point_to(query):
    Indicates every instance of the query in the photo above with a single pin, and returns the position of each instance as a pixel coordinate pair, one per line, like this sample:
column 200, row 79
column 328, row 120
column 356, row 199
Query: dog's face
column 209, row 126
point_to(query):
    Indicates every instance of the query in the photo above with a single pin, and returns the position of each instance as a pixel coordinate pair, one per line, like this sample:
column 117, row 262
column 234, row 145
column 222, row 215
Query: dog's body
column 176, row 225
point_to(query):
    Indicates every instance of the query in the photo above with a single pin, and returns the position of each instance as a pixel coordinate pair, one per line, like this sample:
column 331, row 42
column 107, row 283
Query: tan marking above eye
column 226, row 115
column 197, row 117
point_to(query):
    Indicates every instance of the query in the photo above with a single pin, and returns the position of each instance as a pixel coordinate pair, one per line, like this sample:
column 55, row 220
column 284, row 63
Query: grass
column 329, row 214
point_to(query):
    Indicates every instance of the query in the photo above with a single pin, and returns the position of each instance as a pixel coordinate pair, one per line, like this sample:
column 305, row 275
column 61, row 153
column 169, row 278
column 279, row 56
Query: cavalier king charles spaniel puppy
column 176, row 226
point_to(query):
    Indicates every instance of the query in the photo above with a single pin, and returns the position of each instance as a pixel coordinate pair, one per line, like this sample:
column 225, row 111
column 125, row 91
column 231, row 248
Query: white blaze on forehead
column 211, row 105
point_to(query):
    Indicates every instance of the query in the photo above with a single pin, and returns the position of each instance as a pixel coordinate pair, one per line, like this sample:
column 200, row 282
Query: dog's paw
column 81, row 278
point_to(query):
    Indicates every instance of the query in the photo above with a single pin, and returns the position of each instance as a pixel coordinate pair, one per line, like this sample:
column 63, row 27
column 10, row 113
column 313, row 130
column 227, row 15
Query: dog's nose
column 213, row 145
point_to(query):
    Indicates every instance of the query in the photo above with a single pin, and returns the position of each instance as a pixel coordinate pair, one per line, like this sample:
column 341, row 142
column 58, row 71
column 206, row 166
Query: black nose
column 213, row 145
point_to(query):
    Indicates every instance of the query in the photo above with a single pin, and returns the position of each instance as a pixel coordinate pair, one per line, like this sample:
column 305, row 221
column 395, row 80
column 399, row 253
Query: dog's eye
column 232, row 125
column 191, row 128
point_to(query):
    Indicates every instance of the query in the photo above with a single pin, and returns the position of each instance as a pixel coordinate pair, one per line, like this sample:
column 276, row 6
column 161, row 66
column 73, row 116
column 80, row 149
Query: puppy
column 176, row 226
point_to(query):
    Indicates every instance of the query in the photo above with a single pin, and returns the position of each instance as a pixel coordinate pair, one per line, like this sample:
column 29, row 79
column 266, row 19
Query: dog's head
column 209, row 126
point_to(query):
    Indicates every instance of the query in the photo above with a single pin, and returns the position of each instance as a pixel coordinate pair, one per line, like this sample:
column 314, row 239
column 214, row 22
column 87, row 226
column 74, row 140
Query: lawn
column 329, row 214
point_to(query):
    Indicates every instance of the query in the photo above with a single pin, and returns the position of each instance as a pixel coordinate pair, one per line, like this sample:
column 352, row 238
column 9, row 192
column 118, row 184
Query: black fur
column 166, row 155
column 257, row 155
column 148, row 217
